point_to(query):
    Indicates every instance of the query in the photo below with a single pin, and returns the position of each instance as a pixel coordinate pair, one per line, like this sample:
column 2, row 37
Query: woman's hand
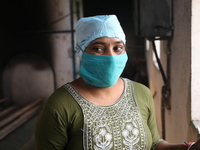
column 164, row 145
column 196, row 146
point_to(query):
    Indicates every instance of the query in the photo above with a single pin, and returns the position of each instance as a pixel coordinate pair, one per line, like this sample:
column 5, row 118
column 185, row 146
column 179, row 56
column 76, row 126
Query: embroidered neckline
column 115, row 103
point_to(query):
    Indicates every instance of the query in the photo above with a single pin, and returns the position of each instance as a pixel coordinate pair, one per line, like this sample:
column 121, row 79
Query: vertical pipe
column 72, row 39
column 163, row 118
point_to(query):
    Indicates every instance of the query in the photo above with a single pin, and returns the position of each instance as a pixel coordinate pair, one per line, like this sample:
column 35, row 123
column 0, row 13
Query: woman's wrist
column 189, row 145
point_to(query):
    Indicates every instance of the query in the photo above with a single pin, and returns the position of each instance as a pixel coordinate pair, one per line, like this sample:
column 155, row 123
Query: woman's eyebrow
column 99, row 42
column 119, row 42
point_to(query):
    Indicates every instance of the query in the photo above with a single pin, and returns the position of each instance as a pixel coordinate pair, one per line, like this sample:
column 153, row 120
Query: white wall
column 195, row 66
column 178, row 125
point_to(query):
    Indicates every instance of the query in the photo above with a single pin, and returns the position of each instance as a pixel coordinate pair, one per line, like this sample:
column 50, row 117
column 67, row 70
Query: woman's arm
column 50, row 130
column 196, row 146
column 51, row 125
column 164, row 145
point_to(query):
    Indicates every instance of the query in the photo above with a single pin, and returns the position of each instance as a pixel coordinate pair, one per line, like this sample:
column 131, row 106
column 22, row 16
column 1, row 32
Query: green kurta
column 69, row 121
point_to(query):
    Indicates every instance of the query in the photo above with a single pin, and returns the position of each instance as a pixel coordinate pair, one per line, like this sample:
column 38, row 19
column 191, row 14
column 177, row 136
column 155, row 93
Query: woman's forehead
column 106, row 40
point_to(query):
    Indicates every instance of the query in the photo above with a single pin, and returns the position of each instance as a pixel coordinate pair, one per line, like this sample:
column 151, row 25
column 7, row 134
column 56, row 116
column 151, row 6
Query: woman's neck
column 99, row 96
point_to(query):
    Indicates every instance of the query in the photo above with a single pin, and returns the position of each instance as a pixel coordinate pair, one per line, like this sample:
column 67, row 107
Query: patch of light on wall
column 147, row 46
column 157, row 43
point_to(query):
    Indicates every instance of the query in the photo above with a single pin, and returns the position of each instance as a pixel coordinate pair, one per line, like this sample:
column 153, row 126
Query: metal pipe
column 72, row 39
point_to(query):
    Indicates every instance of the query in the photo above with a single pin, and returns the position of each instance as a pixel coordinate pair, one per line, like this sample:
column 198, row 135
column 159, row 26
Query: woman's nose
column 110, row 52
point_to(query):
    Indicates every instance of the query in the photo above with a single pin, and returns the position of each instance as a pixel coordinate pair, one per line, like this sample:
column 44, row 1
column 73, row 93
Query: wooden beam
column 3, row 100
column 18, row 122
column 7, row 110
column 19, row 112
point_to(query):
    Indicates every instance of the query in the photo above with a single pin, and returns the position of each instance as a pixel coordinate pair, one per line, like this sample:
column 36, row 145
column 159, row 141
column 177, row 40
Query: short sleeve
column 58, row 123
column 152, row 124
column 145, row 103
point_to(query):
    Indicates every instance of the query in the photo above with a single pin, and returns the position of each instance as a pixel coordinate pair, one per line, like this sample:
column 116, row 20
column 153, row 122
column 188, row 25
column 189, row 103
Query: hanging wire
column 159, row 63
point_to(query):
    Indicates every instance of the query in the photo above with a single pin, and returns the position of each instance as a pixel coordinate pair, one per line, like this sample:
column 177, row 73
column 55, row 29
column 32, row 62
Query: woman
column 100, row 110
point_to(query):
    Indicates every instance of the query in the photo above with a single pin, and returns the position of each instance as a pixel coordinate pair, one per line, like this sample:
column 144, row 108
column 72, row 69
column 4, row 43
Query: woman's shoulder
column 61, row 100
column 141, row 92
column 139, row 87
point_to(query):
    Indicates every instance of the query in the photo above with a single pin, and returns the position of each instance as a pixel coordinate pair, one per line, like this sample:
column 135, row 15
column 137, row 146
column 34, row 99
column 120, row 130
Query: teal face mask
column 102, row 71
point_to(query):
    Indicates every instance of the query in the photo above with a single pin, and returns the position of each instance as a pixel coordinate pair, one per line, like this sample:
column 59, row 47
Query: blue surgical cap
column 91, row 28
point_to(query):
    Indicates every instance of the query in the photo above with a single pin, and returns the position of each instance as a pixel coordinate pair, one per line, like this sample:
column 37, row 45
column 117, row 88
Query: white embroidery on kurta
column 130, row 132
column 102, row 138
column 118, row 126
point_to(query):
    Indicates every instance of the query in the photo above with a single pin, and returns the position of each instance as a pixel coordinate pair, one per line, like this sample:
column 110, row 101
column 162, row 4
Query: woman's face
column 106, row 46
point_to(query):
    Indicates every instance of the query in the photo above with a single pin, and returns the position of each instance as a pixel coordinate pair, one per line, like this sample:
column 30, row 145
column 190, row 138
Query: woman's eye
column 97, row 49
column 118, row 48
